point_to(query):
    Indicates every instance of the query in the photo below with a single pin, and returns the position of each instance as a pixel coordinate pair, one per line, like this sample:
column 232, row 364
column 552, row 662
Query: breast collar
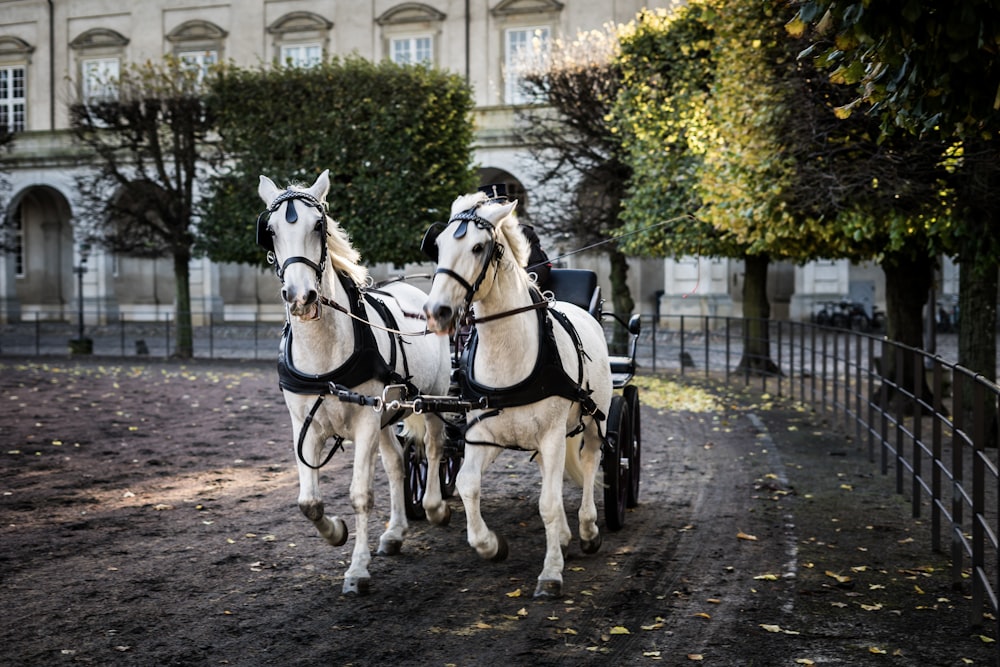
column 547, row 379
column 364, row 364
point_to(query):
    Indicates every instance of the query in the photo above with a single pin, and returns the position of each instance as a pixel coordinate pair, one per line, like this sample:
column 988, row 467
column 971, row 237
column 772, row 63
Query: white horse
column 536, row 400
column 328, row 338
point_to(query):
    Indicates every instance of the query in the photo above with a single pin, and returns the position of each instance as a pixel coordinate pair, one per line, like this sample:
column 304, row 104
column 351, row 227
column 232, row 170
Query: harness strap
column 338, row 441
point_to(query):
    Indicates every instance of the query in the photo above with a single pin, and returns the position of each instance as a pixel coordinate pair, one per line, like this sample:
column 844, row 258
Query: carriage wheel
column 631, row 394
column 414, row 480
column 615, row 464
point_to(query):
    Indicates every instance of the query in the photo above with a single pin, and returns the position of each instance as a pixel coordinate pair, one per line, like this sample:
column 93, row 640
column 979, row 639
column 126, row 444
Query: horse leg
column 333, row 530
column 357, row 579
column 590, row 535
column 552, row 460
column 435, row 507
column 469, row 484
column 391, row 541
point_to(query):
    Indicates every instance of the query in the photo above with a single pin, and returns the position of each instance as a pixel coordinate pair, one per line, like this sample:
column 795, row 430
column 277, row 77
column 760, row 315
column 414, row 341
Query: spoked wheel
column 414, row 480
column 415, row 476
column 631, row 394
column 616, row 464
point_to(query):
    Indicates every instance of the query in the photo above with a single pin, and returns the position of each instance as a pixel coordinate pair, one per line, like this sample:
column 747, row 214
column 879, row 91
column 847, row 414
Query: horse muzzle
column 441, row 318
column 306, row 308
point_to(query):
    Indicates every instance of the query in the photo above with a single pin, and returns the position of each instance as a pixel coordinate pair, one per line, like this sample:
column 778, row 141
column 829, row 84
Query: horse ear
column 321, row 187
column 505, row 210
column 267, row 190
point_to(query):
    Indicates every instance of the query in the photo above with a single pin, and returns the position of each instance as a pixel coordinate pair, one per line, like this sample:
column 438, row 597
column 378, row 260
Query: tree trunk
column 183, row 327
column 756, row 358
column 908, row 283
column 621, row 300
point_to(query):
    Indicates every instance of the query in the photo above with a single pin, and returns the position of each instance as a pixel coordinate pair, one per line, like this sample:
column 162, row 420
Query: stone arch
column 38, row 277
column 515, row 189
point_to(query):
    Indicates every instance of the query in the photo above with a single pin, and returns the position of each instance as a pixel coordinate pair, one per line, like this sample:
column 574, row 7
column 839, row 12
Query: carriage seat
column 577, row 286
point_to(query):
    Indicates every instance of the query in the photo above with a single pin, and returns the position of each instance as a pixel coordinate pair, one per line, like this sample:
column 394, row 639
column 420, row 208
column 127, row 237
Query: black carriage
column 622, row 447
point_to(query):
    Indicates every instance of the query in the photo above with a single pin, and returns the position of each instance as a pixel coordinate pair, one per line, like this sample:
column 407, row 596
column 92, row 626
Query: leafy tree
column 149, row 141
column 397, row 140
column 575, row 151
column 933, row 70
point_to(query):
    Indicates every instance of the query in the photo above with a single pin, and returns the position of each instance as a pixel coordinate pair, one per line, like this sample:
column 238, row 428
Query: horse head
column 469, row 250
column 293, row 230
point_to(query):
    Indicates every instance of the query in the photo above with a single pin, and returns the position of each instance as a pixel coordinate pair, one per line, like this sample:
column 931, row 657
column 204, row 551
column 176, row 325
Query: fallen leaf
column 841, row 579
column 620, row 630
column 743, row 536
column 514, row 593
column 804, row 661
column 695, row 656
column 872, row 607
column 986, row 640
column 876, row 649
column 767, row 577
column 702, row 614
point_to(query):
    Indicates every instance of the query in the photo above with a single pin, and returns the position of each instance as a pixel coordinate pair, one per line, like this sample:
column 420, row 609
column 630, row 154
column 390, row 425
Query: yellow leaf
column 771, row 628
column 568, row 631
column 695, row 656
column 986, row 640
column 743, row 536
column 847, row 487
column 522, row 612
column 841, row 579
column 876, row 649
column 483, row 626
column 766, row 577
column 651, row 654
column 795, row 27
column 804, row 661
column 620, row 630
column 702, row 614
column 918, row 589
column 514, row 593
column 906, row 540
column 872, row 607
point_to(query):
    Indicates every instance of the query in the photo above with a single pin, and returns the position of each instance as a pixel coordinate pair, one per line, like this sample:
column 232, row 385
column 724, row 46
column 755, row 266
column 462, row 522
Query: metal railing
column 929, row 421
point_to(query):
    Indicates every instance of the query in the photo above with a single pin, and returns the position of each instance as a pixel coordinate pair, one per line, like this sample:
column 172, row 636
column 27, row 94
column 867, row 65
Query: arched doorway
column 38, row 276
column 515, row 189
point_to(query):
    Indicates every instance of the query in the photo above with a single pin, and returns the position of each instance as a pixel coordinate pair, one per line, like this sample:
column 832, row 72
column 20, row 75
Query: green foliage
column 397, row 140
column 927, row 67
column 668, row 66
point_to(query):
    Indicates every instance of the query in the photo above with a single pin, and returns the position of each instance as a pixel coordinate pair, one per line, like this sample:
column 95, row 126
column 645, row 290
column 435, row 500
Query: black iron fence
column 928, row 421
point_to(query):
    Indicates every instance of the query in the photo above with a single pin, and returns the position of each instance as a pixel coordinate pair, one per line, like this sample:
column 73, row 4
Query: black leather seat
column 577, row 286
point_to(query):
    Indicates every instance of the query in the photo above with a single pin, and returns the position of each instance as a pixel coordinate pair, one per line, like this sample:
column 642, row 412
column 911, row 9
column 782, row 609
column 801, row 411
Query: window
column 411, row 50
column 526, row 48
column 301, row 55
column 99, row 79
column 199, row 61
column 12, row 98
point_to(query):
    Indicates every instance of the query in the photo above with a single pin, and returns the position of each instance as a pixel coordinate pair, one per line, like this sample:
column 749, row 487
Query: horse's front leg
column 551, row 461
column 391, row 541
column 590, row 534
column 333, row 530
column 469, row 484
column 435, row 507
column 357, row 579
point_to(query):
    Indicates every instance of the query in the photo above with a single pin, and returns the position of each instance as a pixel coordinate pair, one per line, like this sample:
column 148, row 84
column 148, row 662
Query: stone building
column 53, row 50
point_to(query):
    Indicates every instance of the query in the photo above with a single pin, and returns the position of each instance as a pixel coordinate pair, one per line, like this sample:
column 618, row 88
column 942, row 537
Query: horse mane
column 344, row 257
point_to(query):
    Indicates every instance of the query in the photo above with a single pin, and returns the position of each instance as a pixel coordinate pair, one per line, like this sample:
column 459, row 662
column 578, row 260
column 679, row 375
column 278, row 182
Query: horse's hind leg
column 357, row 579
column 553, row 512
column 391, row 541
column 590, row 534
column 435, row 507
column 469, row 484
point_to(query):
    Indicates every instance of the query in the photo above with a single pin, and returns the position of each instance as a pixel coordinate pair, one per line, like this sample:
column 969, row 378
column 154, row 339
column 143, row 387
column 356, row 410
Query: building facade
column 53, row 51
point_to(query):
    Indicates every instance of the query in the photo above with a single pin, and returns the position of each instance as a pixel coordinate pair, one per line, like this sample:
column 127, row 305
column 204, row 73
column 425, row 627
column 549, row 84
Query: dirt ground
column 148, row 517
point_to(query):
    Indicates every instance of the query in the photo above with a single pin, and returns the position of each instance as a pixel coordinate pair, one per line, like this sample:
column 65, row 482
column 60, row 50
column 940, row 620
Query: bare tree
column 149, row 135
column 575, row 151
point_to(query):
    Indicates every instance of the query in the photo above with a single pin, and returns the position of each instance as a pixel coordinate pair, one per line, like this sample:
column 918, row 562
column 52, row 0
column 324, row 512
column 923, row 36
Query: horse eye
column 478, row 248
column 319, row 226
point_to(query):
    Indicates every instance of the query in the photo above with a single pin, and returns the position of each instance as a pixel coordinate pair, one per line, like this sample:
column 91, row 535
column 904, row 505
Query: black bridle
column 265, row 235
column 493, row 255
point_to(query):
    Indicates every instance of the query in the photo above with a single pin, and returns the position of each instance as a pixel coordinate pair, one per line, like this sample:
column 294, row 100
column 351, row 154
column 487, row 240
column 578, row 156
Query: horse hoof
column 444, row 519
column 502, row 551
column 356, row 585
column 591, row 546
column 338, row 536
column 548, row 588
column 389, row 547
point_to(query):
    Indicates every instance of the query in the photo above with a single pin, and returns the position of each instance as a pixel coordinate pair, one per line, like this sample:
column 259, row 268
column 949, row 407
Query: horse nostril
column 311, row 296
column 443, row 313
column 284, row 295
